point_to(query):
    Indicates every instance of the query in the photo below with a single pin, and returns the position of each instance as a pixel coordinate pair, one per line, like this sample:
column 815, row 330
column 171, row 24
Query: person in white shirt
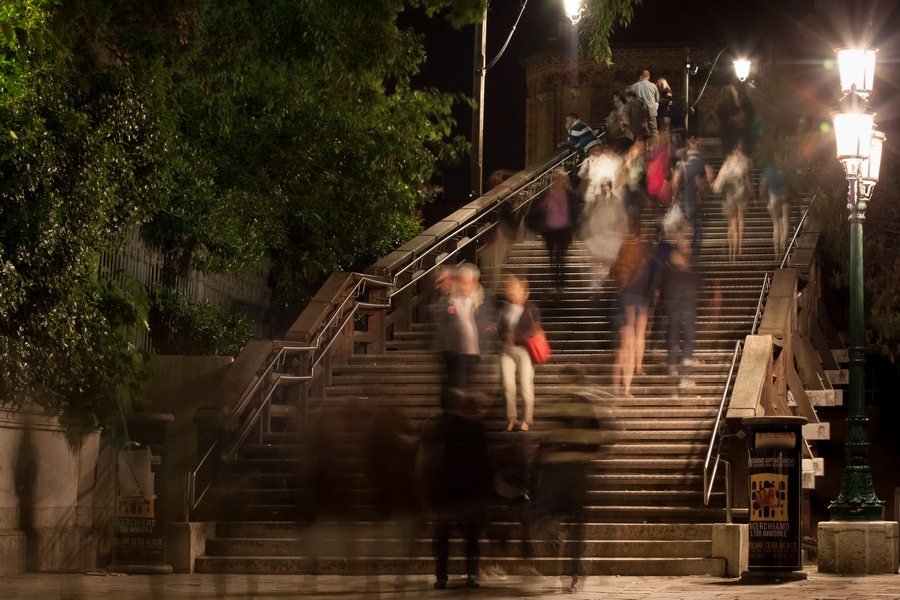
column 649, row 93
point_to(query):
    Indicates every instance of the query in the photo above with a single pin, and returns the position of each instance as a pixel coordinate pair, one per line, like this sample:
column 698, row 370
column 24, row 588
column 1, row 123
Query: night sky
column 713, row 23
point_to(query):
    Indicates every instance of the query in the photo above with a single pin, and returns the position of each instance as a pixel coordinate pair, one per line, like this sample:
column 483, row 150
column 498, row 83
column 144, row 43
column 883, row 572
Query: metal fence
column 238, row 293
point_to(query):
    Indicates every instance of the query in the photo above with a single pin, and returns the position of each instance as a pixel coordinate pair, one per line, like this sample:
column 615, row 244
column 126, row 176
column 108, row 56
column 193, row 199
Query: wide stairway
column 647, row 515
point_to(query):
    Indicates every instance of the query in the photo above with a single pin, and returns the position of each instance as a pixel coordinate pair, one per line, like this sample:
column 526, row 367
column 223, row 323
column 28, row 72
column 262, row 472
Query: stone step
column 494, row 530
column 379, row 547
column 276, row 565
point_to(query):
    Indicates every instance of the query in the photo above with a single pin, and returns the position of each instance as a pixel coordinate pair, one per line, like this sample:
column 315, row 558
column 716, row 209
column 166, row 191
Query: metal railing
column 711, row 464
column 479, row 226
column 715, row 441
column 353, row 298
column 767, row 283
column 241, row 423
column 787, row 252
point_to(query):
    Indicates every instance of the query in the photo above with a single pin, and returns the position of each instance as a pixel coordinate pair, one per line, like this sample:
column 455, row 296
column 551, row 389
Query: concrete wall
column 57, row 478
column 55, row 493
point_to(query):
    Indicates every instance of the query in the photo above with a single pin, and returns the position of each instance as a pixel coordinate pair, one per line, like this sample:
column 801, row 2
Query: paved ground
column 184, row 587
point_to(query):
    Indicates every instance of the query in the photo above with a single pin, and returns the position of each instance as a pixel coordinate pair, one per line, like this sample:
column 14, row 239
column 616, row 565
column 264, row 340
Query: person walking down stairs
column 560, row 211
column 458, row 325
column 519, row 320
column 459, row 478
column 680, row 291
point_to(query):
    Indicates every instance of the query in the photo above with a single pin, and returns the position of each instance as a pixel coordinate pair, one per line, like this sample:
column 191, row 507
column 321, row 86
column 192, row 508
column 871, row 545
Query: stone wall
column 56, row 493
column 57, row 478
column 560, row 82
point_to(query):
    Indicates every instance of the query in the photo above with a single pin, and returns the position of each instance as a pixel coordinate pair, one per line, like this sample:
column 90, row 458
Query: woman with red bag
column 520, row 320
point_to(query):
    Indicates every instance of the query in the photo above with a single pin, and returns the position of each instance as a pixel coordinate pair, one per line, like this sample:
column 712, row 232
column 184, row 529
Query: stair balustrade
column 389, row 297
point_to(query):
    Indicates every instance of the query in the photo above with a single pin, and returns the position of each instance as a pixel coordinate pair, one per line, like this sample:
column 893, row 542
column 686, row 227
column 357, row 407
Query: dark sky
column 693, row 22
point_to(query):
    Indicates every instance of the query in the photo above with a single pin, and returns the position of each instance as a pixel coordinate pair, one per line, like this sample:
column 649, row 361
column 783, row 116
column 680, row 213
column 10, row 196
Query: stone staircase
column 647, row 515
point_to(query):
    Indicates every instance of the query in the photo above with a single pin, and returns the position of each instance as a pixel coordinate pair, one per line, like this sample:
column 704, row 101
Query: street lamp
column 741, row 69
column 574, row 10
column 855, row 141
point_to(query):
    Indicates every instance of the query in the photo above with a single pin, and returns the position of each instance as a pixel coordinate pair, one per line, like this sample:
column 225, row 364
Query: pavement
column 102, row 586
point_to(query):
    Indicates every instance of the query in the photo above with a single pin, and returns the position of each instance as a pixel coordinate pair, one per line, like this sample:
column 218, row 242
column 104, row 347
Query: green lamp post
column 859, row 150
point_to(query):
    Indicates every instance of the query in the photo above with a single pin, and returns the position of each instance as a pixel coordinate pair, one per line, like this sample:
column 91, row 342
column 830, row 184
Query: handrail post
column 729, row 516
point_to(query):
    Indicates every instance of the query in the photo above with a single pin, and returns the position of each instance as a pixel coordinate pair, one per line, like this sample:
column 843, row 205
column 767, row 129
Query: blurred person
column 637, row 115
column 458, row 326
column 580, row 134
column 604, row 219
column 580, row 427
column 732, row 118
column 561, row 208
column 773, row 184
column 734, row 180
column 618, row 133
column 632, row 182
column 666, row 107
column 632, row 276
column 691, row 179
column 519, row 319
column 500, row 240
column 659, row 170
column 680, row 292
column 649, row 93
column 460, row 481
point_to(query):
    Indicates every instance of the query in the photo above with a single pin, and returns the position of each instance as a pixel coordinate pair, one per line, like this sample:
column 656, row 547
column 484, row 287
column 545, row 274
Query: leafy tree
column 230, row 132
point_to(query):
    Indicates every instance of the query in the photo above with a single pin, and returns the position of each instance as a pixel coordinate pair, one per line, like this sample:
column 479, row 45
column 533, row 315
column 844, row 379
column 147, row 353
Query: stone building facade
column 560, row 83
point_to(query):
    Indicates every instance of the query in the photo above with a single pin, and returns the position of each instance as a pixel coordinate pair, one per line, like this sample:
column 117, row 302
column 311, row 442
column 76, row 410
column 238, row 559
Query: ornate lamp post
column 853, row 130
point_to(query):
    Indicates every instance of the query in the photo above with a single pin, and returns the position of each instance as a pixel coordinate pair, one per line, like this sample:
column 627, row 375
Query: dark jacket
column 528, row 325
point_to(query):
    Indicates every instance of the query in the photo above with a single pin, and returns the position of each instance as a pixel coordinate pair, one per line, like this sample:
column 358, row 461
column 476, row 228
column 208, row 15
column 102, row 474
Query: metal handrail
column 767, row 283
column 508, row 196
column 715, row 439
column 787, row 253
column 319, row 350
column 707, row 477
column 342, row 314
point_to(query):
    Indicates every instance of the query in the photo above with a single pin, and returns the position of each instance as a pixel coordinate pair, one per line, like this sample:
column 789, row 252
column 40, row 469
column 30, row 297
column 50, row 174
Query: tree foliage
column 229, row 132
column 602, row 16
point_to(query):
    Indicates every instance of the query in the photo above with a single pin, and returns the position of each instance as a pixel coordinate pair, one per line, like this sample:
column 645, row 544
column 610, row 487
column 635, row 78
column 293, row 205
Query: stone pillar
column 858, row 547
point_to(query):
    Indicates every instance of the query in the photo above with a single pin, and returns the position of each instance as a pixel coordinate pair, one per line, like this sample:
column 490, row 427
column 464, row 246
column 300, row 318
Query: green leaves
column 231, row 133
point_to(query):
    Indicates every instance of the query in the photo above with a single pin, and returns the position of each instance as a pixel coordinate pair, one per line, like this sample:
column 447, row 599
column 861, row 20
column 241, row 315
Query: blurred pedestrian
column 632, row 182
column 636, row 115
column 774, row 185
column 604, row 222
column 664, row 113
column 632, row 276
column 519, row 320
column 458, row 325
column 568, row 446
column 734, row 181
column 561, row 210
column 680, row 292
column 690, row 181
column 732, row 119
column 649, row 93
column 618, row 133
column 461, row 483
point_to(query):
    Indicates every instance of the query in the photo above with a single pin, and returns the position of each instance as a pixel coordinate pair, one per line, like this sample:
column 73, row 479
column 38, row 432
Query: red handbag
column 538, row 349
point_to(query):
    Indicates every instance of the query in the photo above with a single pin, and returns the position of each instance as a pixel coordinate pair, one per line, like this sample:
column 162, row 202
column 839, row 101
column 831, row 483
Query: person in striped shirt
column 580, row 134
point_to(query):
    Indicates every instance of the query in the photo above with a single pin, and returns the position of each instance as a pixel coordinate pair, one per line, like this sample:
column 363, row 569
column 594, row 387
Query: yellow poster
column 768, row 497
